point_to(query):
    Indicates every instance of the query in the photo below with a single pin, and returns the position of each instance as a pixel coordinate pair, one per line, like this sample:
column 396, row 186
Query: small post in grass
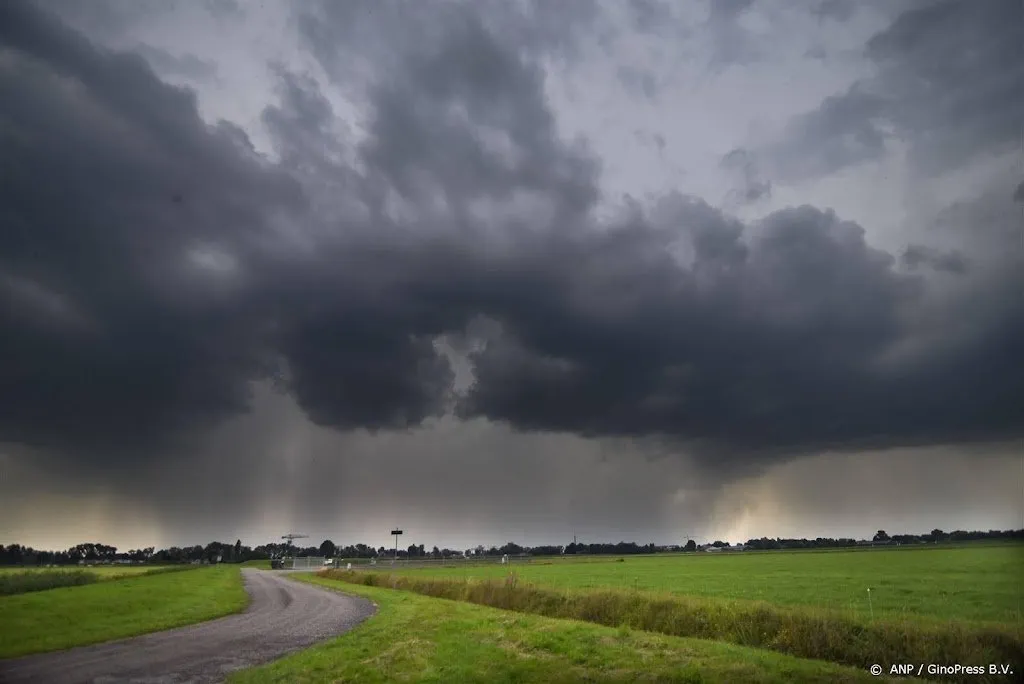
column 870, row 608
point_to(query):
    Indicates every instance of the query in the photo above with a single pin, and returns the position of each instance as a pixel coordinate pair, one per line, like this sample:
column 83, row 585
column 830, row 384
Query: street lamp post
column 396, row 533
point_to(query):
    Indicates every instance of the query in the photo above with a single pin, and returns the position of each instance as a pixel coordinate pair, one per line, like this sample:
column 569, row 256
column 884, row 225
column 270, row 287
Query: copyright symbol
column 876, row 670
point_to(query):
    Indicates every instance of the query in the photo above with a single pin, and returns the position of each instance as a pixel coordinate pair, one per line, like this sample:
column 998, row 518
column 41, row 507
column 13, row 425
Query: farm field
column 119, row 607
column 977, row 584
column 259, row 564
column 103, row 571
column 955, row 604
column 19, row 580
column 417, row 638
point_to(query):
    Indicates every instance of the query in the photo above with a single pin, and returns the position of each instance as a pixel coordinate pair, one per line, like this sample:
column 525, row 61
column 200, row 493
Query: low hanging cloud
column 158, row 266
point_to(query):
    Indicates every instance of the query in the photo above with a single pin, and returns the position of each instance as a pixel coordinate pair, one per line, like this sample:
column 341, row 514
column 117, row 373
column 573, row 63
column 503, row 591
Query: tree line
column 220, row 552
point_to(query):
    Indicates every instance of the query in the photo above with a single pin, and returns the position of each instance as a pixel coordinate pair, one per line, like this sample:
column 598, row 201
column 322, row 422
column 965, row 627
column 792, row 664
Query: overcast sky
column 509, row 271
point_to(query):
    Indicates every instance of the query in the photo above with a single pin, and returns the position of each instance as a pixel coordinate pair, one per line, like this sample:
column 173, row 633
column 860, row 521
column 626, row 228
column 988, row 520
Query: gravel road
column 283, row 616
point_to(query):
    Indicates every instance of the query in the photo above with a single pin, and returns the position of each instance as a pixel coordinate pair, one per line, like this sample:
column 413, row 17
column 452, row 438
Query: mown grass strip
column 799, row 632
column 419, row 639
column 75, row 616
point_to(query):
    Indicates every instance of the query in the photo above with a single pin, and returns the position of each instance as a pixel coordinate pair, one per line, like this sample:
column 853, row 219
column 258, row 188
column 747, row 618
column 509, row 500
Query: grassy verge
column 800, row 632
column 261, row 564
column 76, row 616
column 418, row 639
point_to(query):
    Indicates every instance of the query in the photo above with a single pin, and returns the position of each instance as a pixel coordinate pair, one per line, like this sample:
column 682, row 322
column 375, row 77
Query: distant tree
column 237, row 557
column 690, row 546
column 880, row 536
column 938, row 536
column 328, row 548
column 547, row 550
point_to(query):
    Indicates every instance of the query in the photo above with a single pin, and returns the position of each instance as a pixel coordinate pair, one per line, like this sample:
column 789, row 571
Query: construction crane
column 277, row 563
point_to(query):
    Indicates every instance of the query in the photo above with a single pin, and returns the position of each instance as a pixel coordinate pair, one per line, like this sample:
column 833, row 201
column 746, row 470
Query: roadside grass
column 261, row 564
column 75, row 616
column 798, row 631
column 978, row 583
column 23, row 580
column 419, row 639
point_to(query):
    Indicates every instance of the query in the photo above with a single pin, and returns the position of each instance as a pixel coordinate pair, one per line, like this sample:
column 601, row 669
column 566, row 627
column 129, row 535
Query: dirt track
column 283, row 616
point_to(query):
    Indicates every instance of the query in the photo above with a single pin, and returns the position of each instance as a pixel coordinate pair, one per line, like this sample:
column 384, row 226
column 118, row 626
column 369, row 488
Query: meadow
column 116, row 608
column 421, row 639
column 946, row 605
column 101, row 571
column 19, row 580
column 978, row 584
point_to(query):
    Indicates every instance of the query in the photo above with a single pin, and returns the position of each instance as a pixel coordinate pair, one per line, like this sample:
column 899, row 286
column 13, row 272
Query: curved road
column 283, row 616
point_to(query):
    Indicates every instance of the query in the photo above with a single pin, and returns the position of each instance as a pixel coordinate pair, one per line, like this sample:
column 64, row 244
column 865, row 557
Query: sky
column 504, row 270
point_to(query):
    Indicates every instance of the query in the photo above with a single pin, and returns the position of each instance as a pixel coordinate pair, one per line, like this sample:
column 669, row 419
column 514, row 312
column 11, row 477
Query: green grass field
column 415, row 638
column 18, row 580
column 104, row 571
column 965, row 583
column 261, row 564
column 955, row 604
column 121, row 607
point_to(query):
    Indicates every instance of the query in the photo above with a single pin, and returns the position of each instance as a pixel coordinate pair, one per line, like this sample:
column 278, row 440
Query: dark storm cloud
column 461, row 213
column 750, row 185
column 110, row 180
column 638, row 82
column 838, row 10
column 186, row 65
column 480, row 130
column 113, row 19
column 841, row 132
column 732, row 44
column 728, row 10
column 648, row 15
column 947, row 81
column 347, row 36
column 916, row 256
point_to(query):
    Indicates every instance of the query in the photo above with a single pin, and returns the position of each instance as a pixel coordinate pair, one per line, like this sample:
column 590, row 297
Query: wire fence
column 384, row 563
